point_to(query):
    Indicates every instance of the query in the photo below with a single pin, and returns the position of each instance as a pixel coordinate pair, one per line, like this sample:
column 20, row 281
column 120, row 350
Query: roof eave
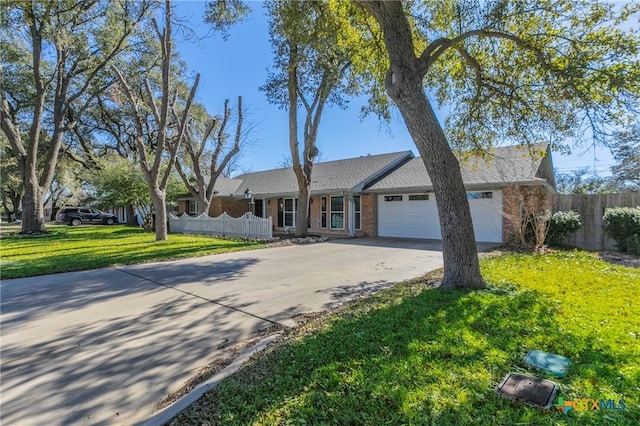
column 408, row 155
column 468, row 186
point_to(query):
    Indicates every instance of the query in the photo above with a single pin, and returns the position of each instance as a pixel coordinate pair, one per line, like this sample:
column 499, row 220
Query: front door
column 259, row 208
column 280, row 212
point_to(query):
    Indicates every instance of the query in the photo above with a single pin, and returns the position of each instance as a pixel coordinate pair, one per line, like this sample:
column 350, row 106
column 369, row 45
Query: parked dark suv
column 77, row 215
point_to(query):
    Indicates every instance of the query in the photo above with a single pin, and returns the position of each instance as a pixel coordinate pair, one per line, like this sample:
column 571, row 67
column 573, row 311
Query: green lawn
column 414, row 355
column 90, row 247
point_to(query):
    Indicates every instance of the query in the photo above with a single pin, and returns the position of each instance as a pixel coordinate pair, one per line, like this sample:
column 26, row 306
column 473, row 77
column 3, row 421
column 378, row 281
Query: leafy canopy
column 519, row 72
column 334, row 48
column 120, row 182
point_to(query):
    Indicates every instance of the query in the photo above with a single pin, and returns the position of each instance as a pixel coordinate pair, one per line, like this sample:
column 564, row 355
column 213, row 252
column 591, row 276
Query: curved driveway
column 105, row 346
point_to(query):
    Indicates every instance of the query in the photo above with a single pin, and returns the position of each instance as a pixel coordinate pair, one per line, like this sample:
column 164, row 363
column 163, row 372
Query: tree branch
column 233, row 152
column 152, row 102
column 137, row 119
column 221, row 135
column 207, row 134
column 439, row 46
column 180, row 135
column 474, row 64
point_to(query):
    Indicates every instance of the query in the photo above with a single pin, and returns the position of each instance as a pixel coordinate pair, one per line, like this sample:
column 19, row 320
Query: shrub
column 561, row 224
column 623, row 224
column 526, row 213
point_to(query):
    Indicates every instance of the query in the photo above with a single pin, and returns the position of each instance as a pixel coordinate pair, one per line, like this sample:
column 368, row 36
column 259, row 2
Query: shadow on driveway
column 27, row 298
column 104, row 372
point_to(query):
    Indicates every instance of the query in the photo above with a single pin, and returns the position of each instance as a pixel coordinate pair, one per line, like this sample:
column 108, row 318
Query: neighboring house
column 388, row 195
column 224, row 200
column 122, row 215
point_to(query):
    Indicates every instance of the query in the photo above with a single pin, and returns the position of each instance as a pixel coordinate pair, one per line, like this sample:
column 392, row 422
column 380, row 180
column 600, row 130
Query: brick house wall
column 234, row 208
column 510, row 211
column 181, row 207
column 316, row 217
column 271, row 210
column 367, row 216
column 219, row 205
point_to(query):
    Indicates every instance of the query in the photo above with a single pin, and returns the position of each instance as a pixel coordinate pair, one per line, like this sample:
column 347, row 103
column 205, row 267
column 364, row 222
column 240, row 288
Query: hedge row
column 622, row 223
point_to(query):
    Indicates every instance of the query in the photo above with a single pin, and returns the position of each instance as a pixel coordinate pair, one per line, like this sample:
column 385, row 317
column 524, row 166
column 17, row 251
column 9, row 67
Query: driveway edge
column 165, row 415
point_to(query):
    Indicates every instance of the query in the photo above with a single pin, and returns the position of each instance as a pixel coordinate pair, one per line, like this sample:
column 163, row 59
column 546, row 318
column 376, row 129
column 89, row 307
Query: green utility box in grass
column 553, row 364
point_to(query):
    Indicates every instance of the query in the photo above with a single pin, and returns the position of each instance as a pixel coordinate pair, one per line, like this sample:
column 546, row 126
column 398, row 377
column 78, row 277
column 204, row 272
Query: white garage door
column 416, row 216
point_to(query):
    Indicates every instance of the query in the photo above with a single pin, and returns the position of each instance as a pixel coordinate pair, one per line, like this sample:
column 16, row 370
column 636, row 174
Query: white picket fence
column 246, row 226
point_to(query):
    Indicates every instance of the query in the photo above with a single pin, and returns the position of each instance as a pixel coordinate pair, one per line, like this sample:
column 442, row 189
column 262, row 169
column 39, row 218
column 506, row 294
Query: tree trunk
column 302, row 218
column 8, row 212
column 54, row 213
column 461, row 267
column 16, row 200
column 203, row 203
column 160, row 210
column 132, row 217
column 32, row 208
column 404, row 85
column 14, row 197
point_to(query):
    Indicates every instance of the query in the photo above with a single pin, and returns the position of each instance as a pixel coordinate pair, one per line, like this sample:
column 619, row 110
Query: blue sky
column 239, row 66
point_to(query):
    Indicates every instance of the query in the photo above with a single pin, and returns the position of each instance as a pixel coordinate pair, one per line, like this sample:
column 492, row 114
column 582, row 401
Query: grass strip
column 66, row 249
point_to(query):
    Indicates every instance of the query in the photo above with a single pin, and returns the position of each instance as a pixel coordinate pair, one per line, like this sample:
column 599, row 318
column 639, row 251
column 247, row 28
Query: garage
column 416, row 215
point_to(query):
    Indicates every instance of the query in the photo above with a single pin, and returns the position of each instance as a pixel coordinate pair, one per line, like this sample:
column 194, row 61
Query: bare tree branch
column 137, row 119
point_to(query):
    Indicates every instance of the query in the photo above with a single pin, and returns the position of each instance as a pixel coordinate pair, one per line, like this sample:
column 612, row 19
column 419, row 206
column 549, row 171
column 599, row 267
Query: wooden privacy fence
column 591, row 207
column 246, row 226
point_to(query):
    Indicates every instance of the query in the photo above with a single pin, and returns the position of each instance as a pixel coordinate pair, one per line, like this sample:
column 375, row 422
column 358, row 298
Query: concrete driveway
column 105, row 346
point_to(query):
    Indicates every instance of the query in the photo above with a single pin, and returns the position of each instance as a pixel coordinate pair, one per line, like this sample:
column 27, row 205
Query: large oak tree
column 68, row 45
column 510, row 71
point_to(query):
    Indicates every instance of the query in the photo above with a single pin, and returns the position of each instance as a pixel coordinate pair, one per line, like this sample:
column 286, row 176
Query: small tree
column 119, row 182
column 526, row 212
column 210, row 145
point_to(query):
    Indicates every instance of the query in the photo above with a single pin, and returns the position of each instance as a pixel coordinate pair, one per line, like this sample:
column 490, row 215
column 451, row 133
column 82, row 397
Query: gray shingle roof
column 512, row 164
column 225, row 187
column 341, row 175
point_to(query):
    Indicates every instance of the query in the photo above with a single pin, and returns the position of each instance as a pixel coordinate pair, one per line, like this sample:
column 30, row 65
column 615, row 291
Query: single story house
column 388, row 195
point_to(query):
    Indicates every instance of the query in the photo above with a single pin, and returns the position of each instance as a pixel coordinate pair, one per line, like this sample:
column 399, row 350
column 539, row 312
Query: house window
column 290, row 209
column 419, row 197
column 192, row 207
column 323, row 212
column 357, row 216
column 393, row 197
column 479, row 195
column 337, row 212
